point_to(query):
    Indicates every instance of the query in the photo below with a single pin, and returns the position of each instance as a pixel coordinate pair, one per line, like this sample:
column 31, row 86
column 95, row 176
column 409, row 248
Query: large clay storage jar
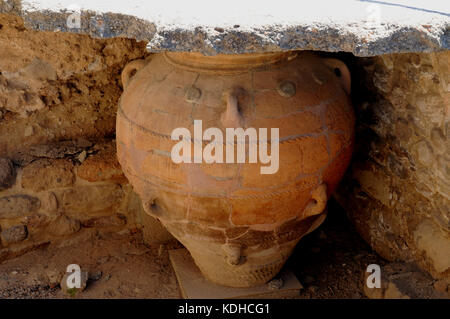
column 239, row 225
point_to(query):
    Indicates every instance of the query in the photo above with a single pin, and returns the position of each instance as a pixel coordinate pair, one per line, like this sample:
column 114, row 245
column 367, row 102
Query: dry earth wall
column 59, row 177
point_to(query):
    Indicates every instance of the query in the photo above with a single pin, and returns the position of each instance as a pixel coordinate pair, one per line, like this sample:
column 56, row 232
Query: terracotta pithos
column 239, row 225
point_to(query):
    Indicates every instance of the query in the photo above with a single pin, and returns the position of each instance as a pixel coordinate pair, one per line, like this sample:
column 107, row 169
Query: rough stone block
column 17, row 206
column 63, row 226
column 14, row 234
column 36, row 221
column 371, row 29
column 102, row 166
column 49, row 203
column 435, row 243
column 7, row 173
column 84, row 200
column 194, row 285
column 397, row 190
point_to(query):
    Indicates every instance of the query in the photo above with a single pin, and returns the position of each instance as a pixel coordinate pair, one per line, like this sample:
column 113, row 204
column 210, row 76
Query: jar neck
column 226, row 63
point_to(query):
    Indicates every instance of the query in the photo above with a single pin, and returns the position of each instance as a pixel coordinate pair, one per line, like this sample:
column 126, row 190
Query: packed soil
column 119, row 266
column 330, row 263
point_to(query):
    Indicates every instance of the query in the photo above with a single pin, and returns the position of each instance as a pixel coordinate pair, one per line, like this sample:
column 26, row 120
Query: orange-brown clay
column 239, row 225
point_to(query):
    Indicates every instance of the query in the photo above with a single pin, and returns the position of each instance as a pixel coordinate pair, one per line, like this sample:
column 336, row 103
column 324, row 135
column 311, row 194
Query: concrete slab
column 364, row 27
column 194, row 286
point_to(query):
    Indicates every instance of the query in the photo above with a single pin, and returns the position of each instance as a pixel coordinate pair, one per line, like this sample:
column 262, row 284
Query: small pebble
column 82, row 156
column 275, row 284
column 96, row 275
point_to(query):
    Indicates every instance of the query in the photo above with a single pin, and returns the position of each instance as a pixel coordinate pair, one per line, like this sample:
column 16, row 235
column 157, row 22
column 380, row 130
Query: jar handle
column 342, row 72
column 150, row 206
column 130, row 70
column 318, row 201
column 233, row 254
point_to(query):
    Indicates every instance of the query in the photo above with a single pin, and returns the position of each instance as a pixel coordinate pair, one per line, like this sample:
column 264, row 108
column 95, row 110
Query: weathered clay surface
column 373, row 28
column 397, row 190
column 239, row 225
column 57, row 87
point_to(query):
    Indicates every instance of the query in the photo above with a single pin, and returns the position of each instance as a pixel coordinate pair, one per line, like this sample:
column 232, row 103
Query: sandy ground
column 119, row 266
column 329, row 263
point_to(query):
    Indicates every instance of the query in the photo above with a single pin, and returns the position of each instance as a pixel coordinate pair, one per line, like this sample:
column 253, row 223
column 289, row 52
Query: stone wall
column 59, row 177
column 397, row 190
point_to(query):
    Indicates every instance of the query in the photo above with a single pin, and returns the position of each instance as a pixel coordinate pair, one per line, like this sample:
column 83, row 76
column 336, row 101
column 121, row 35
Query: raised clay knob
column 232, row 118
